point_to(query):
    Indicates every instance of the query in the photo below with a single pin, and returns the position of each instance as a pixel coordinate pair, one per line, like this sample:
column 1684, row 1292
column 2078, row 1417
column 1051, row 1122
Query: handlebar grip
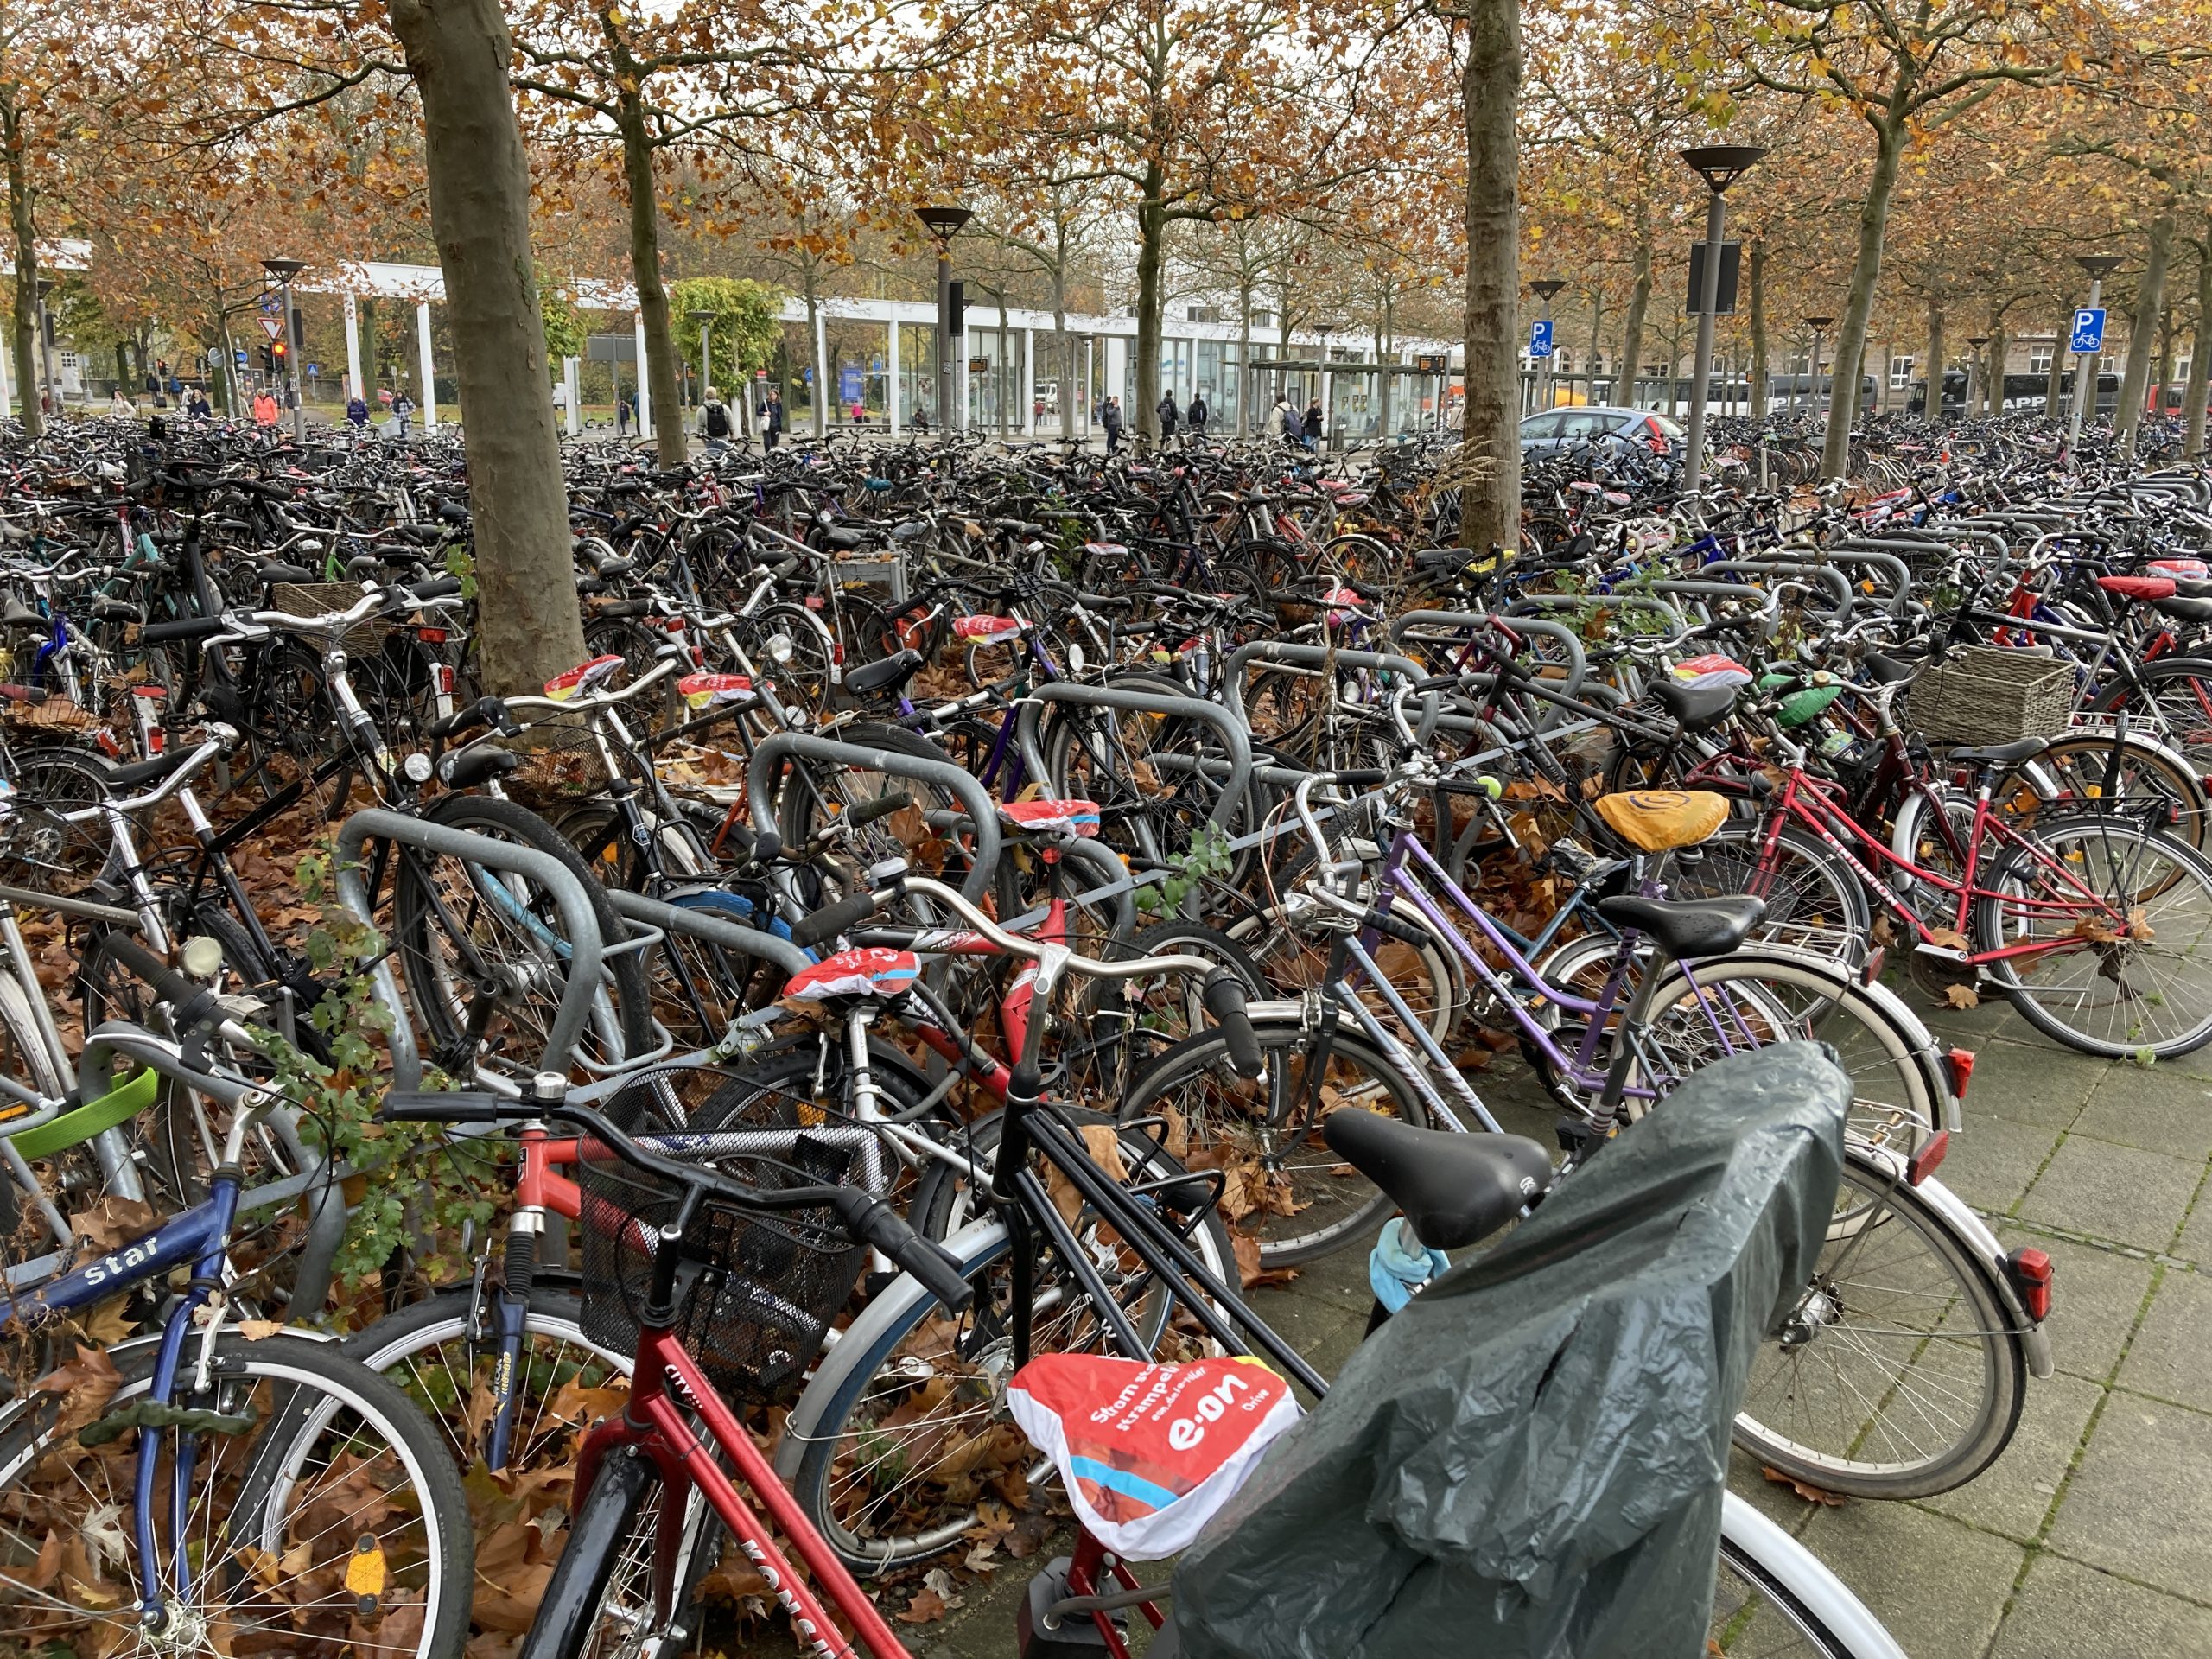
column 1360, row 777
column 876, row 1223
column 767, row 847
column 485, row 711
column 193, row 627
column 442, row 588
column 193, row 1000
column 833, row 919
column 1223, row 996
column 404, row 1106
column 882, row 807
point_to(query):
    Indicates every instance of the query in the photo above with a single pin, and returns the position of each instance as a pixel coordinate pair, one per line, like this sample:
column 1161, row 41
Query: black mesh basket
column 756, row 1291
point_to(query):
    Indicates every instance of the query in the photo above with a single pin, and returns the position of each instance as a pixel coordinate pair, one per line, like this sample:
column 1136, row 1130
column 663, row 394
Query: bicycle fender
column 973, row 1245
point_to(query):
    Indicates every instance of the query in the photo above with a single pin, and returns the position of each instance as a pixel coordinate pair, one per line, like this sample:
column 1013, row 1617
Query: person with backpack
column 1110, row 418
column 1278, row 426
column 1169, row 414
column 715, row 423
column 1199, row 414
column 772, row 419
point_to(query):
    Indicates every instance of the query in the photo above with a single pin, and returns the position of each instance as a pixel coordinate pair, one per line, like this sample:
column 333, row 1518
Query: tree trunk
column 1152, row 301
column 1243, row 352
column 1597, row 335
column 458, row 52
column 821, row 398
column 1865, row 275
column 1932, row 371
column 671, row 441
column 1992, row 375
column 2142, row 329
column 30, row 381
column 2164, row 376
column 1639, row 302
column 2200, row 350
column 1489, row 91
column 2054, row 390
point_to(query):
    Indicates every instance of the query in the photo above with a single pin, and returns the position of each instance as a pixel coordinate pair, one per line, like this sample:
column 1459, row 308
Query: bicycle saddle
column 2183, row 610
column 2000, row 754
column 275, row 571
column 1455, row 1188
column 884, row 674
column 1694, row 708
column 1687, row 927
column 20, row 615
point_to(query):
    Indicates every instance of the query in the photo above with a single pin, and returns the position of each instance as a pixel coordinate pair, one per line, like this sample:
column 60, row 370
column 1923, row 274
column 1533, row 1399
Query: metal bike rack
column 581, row 926
column 1293, row 654
column 768, row 765
column 1235, row 731
column 1578, row 664
column 1797, row 569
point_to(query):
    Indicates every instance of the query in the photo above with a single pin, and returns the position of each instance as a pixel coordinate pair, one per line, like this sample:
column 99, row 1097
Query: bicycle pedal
column 1574, row 1134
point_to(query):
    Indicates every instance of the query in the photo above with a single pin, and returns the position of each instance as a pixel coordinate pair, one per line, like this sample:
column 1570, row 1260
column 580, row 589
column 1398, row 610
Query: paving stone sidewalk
column 2092, row 1535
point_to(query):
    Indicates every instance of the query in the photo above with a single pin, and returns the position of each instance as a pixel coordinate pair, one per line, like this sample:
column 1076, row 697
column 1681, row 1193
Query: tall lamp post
column 1328, row 402
column 1975, row 375
column 281, row 271
column 705, row 320
column 1546, row 291
column 944, row 223
column 2100, row 266
column 1819, row 325
column 49, row 399
column 1720, row 166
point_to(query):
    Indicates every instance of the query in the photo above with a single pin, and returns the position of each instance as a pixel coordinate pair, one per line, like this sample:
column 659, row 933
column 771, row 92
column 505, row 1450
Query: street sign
column 1539, row 338
column 315, row 371
column 979, row 366
column 272, row 325
column 241, row 359
column 2089, row 332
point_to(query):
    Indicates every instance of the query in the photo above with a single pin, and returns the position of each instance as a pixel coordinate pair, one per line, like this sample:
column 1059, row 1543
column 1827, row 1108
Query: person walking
column 402, row 406
column 715, row 423
column 1313, row 425
column 621, row 414
column 264, row 411
column 357, row 415
column 1110, row 418
column 1168, row 414
column 1278, row 422
column 772, row 419
column 1199, row 414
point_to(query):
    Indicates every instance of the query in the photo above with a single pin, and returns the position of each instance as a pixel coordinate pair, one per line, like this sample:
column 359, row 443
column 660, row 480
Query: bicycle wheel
column 313, row 1485
column 1897, row 1374
column 1772, row 1598
column 903, row 1431
column 1291, row 942
column 2177, row 699
column 2127, row 915
column 484, row 955
column 1281, row 1184
column 1814, row 900
column 2077, row 769
column 600, row 1600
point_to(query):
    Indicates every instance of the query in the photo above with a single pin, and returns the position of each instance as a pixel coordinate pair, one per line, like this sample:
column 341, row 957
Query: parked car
column 1551, row 430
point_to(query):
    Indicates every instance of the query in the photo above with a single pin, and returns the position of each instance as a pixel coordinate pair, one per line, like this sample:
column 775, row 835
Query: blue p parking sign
column 2089, row 337
column 1540, row 339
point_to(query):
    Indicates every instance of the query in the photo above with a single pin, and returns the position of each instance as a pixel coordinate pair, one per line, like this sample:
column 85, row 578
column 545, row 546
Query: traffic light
column 281, row 355
column 269, row 359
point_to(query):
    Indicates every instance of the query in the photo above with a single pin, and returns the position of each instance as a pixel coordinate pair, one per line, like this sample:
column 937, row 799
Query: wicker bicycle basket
column 756, row 1290
column 1984, row 693
column 322, row 598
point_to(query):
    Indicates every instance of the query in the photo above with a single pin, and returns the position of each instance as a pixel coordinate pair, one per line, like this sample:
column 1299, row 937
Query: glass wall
column 917, row 372
column 858, row 371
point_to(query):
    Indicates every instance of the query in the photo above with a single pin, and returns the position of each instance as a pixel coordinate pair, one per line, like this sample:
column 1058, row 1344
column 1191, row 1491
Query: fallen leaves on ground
column 1806, row 1490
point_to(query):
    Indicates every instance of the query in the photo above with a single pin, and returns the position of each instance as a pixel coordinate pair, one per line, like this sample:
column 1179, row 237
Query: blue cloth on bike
column 1530, row 1459
column 1395, row 1273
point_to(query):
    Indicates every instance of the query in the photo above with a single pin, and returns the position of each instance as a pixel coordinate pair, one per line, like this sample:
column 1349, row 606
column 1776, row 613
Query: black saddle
column 884, row 675
column 2183, row 610
column 1694, row 708
column 1687, row 927
column 2000, row 755
column 1455, row 1188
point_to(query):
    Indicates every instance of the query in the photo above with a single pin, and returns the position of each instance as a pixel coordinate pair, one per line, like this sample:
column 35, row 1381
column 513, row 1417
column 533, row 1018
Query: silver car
column 1549, row 431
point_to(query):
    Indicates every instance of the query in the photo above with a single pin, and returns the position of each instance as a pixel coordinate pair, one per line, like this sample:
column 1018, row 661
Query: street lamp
column 1720, row 166
column 2100, row 266
column 48, row 393
column 281, row 271
column 943, row 222
column 1819, row 325
column 1975, row 375
column 704, row 319
column 1547, row 291
column 1328, row 403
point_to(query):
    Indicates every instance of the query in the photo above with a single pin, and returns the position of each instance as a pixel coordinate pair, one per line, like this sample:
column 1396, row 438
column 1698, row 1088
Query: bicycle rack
column 1235, row 734
column 1293, row 654
column 1578, row 664
column 768, row 765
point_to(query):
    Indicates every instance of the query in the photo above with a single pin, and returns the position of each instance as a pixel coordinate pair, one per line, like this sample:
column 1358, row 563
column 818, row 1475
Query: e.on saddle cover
column 1146, row 1452
column 1530, row 1460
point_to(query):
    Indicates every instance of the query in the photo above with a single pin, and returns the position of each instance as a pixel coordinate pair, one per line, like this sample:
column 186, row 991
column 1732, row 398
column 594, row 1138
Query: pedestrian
column 1278, row 422
column 772, row 419
column 1199, row 414
column 621, row 414
column 1313, row 426
column 1168, row 414
column 402, row 407
column 715, row 423
column 264, row 410
column 119, row 405
column 357, row 414
column 1110, row 418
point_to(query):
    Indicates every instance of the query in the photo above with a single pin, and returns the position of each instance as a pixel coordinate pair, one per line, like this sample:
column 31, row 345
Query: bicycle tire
column 1815, row 901
column 1791, row 1604
column 608, row 1551
column 309, row 1387
column 1925, row 1345
column 428, row 968
column 2173, row 896
column 1347, row 1207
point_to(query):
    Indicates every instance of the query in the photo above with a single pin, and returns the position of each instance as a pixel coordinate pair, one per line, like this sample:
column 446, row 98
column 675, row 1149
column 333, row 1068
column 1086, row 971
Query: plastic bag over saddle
column 1529, row 1459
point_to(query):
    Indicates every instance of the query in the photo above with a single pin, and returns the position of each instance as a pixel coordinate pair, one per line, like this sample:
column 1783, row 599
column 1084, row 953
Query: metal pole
column 706, row 360
column 945, row 357
column 1708, row 302
column 293, row 333
column 2085, row 375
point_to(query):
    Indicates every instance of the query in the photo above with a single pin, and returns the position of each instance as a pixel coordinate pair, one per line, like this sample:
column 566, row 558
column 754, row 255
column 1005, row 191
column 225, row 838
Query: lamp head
column 284, row 270
column 1818, row 323
column 1977, row 340
column 944, row 221
column 700, row 316
column 1547, row 290
column 2099, row 265
column 1721, row 165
